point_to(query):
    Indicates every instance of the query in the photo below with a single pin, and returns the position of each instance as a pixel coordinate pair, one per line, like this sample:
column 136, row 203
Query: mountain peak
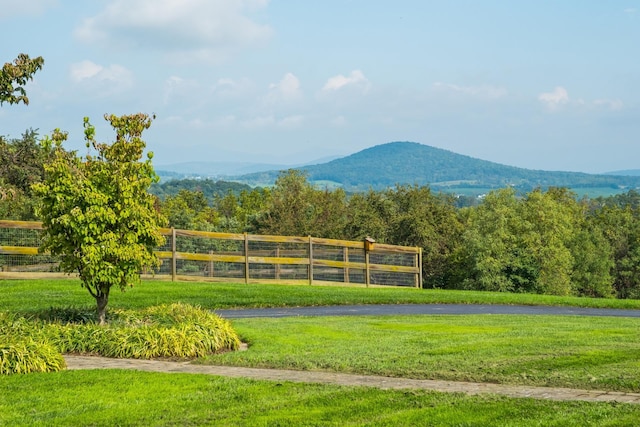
column 404, row 162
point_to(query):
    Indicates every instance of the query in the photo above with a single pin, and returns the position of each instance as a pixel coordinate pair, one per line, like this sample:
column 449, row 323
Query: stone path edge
column 75, row 362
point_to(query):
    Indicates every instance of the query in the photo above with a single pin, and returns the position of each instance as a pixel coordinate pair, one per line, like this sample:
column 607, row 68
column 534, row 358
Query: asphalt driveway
column 395, row 309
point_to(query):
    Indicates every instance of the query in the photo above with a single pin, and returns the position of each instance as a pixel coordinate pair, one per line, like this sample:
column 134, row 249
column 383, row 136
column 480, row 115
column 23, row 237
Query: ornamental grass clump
column 36, row 342
column 175, row 330
column 24, row 348
column 23, row 356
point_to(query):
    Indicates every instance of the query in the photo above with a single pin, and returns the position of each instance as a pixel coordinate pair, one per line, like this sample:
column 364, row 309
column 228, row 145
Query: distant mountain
column 394, row 163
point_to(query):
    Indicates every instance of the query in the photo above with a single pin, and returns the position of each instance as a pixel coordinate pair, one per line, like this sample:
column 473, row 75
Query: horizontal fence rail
column 249, row 258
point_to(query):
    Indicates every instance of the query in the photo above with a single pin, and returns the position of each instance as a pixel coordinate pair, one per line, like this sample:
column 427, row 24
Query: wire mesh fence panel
column 22, row 237
column 164, row 269
column 357, row 275
column 339, row 275
column 393, row 258
column 206, row 245
column 390, row 278
column 19, row 242
column 209, row 269
column 262, row 271
column 356, row 256
column 346, row 264
column 168, row 242
column 29, row 263
column 277, row 260
column 233, row 270
column 292, row 272
column 333, row 253
column 190, row 268
column 278, row 249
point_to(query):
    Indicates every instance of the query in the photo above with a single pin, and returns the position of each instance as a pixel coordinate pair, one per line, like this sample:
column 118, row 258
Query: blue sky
column 540, row 84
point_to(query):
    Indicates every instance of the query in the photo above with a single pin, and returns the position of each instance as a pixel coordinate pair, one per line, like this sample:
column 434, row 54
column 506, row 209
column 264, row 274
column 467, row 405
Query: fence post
column 345, row 258
column 310, row 260
column 419, row 268
column 246, row 258
column 278, row 265
column 173, row 255
column 367, row 272
column 211, row 264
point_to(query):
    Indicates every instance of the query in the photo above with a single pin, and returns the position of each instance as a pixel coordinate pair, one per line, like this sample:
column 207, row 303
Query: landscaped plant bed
column 169, row 331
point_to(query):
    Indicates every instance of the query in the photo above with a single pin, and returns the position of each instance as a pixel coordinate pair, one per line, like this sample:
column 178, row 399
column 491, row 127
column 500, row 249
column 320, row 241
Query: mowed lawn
column 567, row 351
column 561, row 351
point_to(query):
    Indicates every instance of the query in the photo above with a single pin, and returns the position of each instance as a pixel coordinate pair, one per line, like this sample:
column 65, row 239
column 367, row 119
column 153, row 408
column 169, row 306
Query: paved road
column 391, row 309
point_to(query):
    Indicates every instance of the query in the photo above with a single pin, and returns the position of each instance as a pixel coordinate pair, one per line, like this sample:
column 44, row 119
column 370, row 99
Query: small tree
column 97, row 213
column 13, row 76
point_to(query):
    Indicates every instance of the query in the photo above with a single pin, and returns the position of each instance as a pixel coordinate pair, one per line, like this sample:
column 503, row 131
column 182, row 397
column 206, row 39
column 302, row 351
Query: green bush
column 35, row 343
column 24, row 356
column 24, row 348
column 175, row 330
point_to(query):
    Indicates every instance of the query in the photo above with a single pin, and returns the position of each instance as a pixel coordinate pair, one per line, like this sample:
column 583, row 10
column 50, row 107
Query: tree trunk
column 102, row 299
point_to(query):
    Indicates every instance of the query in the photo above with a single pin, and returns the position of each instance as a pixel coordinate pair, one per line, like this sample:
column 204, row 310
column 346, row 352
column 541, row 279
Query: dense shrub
column 35, row 343
column 26, row 355
column 176, row 330
column 24, row 348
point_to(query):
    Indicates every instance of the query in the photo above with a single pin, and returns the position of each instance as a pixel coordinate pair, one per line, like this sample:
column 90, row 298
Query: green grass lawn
column 126, row 398
column 561, row 351
column 583, row 352
column 35, row 295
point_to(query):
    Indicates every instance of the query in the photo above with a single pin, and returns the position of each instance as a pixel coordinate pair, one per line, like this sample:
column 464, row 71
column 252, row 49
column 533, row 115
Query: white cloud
column 186, row 30
column 84, row 70
column 560, row 96
column 105, row 80
column 12, row 8
column 630, row 11
column 355, row 79
column 554, row 99
column 484, row 91
column 286, row 90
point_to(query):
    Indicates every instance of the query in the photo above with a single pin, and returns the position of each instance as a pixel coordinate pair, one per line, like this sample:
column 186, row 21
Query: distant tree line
column 544, row 241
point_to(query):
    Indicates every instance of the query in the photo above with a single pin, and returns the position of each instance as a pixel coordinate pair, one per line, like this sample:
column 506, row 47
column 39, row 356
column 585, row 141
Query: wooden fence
column 248, row 258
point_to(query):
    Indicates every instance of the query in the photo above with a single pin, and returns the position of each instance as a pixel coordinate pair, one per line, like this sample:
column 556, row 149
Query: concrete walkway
column 90, row 362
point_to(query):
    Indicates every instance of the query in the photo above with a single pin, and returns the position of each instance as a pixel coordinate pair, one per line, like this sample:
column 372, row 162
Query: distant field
column 580, row 192
column 598, row 192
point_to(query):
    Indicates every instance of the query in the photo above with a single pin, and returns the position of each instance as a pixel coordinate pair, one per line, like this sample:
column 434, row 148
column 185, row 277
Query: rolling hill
column 386, row 165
